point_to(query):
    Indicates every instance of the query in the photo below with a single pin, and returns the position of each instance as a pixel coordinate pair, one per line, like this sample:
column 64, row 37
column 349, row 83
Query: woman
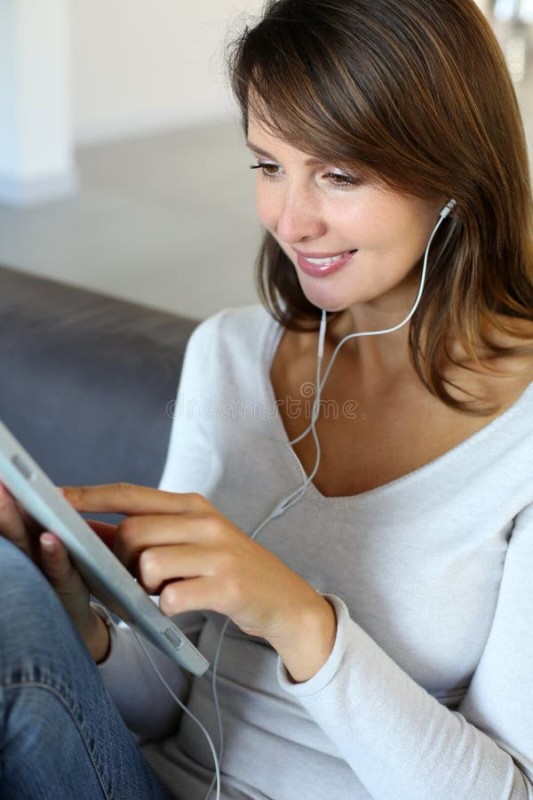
column 372, row 550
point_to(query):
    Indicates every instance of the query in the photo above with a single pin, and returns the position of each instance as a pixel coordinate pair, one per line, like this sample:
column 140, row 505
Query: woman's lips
column 321, row 266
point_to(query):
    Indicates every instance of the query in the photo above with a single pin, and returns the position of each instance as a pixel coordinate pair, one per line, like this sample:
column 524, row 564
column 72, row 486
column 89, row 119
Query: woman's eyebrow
column 259, row 150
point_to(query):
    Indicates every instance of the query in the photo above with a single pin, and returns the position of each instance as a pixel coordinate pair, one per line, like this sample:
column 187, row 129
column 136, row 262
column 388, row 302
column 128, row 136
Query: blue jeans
column 61, row 737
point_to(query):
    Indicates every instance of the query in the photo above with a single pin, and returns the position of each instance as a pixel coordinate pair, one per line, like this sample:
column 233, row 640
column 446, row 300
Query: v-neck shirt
column 428, row 692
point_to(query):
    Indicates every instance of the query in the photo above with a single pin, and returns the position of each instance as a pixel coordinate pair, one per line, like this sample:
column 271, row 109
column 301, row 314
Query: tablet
column 106, row 577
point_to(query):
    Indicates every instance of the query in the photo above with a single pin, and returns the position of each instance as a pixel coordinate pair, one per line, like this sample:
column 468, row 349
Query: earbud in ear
column 448, row 208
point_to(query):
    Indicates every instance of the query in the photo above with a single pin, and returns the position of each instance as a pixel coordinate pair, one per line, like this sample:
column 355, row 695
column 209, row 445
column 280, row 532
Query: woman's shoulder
column 234, row 342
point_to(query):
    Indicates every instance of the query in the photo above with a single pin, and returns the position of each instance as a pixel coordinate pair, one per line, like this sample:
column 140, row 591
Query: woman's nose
column 299, row 217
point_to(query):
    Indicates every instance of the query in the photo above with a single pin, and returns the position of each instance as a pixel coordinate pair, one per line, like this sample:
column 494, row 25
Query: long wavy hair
column 418, row 92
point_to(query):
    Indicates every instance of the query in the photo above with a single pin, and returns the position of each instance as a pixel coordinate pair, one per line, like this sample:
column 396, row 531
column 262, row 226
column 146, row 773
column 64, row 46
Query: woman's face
column 351, row 240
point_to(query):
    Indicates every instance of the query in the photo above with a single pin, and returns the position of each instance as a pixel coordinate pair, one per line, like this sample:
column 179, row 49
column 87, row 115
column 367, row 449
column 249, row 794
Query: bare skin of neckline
column 376, row 426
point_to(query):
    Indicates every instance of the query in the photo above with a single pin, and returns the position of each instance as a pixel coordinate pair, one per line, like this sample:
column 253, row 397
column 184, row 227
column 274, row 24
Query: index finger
column 129, row 499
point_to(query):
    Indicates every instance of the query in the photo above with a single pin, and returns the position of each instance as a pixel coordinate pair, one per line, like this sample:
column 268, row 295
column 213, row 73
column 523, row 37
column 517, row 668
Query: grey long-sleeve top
column 428, row 693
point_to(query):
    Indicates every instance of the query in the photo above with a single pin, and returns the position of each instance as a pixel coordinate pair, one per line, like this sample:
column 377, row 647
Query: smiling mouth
column 325, row 265
column 328, row 260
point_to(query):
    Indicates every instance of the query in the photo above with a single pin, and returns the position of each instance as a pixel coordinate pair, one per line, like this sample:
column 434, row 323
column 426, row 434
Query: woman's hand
column 181, row 548
column 51, row 557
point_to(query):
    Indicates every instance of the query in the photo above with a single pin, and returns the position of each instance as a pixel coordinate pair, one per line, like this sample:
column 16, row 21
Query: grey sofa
column 86, row 380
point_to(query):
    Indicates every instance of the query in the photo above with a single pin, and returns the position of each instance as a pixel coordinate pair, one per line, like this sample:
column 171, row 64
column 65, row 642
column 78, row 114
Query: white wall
column 142, row 65
column 35, row 134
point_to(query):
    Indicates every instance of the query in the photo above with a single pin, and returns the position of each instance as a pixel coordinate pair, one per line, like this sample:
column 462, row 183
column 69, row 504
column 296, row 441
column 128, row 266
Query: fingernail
column 47, row 542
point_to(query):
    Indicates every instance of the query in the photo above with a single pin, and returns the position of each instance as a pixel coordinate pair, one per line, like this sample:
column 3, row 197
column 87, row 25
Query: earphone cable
column 216, row 779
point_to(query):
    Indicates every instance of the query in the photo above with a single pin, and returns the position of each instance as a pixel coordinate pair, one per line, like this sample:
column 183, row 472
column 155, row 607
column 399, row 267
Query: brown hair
column 418, row 92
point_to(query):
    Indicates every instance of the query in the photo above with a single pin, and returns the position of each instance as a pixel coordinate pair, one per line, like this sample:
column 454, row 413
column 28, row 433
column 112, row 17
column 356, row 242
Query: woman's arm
column 401, row 742
column 142, row 699
column 139, row 694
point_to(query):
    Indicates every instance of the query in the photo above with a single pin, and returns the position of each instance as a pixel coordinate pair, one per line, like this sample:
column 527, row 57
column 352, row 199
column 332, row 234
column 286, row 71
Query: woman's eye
column 268, row 170
column 273, row 171
column 340, row 179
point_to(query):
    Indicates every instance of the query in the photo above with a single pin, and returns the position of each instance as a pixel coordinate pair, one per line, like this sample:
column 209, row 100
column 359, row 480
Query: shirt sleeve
column 143, row 701
column 400, row 741
column 191, row 463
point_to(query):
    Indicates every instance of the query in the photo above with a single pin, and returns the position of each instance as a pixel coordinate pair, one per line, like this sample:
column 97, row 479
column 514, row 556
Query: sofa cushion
column 86, row 379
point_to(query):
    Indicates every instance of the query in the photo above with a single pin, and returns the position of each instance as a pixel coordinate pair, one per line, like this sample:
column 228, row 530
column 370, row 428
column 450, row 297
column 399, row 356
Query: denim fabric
column 61, row 738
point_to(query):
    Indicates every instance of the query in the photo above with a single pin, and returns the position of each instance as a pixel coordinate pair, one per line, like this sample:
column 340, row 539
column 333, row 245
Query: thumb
column 56, row 564
column 66, row 582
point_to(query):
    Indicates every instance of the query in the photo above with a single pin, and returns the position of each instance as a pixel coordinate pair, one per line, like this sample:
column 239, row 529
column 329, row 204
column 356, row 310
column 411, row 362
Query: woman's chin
column 324, row 300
